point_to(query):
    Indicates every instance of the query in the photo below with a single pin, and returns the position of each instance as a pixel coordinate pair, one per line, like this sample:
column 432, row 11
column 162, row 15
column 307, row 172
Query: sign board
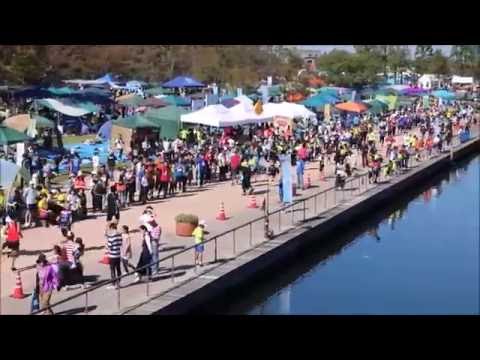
column 269, row 81
column 239, row 92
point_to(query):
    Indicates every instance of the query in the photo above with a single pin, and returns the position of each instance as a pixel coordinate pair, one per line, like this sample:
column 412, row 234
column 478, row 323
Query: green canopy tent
column 62, row 91
column 41, row 122
column 135, row 122
column 275, row 90
column 390, row 100
column 159, row 91
column 175, row 100
column 133, row 101
column 168, row 119
column 376, row 106
column 10, row 136
column 404, row 101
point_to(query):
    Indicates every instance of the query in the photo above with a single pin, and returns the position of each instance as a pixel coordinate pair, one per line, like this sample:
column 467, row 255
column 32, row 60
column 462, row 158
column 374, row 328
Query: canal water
column 417, row 256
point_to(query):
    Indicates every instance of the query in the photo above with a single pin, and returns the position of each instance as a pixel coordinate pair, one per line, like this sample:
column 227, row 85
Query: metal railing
column 320, row 202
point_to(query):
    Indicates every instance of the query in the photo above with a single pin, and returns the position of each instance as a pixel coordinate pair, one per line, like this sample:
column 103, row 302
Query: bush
column 187, row 219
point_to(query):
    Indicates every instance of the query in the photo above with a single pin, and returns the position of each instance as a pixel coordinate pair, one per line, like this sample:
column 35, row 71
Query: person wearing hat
column 199, row 235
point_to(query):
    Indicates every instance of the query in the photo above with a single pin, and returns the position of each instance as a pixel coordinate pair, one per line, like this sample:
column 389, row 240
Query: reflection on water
column 418, row 256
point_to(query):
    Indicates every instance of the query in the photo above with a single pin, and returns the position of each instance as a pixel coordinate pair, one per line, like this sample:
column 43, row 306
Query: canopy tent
column 136, row 121
column 174, row 100
column 62, row 108
column 212, row 115
column 230, row 102
column 444, row 94
column 414, row 91
column 33, row 92
column 275, row 90
column 244, row 114
column 320, row 100
column 246, row 100
column 351, row 107
column 22, row 122
column 158, row 91
column 183, row 82
column 390, row 100
column 154, row 102
column 376, row 106
column 133, row 85
column 61, row 91
column 398, row 88
column 168, row 118
column 9, row 172
column 288, row 110
column 105, row 130
column 131, row 100
column 104, row 80
column 10, row 136
column 404, row 101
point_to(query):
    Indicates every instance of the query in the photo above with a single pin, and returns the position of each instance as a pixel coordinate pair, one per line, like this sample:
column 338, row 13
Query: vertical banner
column 426, row 102
column 269, row 81
column 286, row 166
column 239, row 92
column 326, row 112
column 354, row 93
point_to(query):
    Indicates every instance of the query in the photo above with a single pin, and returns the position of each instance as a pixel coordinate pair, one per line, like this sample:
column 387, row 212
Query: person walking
column 113, row 205
column 114, row 246
column 143, row 268
column 30, row 197
column 126, row 248
column 12, row 235
column 46, row 282
column 199, row 236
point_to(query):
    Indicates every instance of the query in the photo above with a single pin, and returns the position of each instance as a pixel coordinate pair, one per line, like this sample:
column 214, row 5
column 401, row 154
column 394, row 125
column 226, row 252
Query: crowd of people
column 162, row 169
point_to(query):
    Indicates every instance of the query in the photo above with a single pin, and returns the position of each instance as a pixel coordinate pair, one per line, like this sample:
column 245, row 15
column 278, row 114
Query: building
column 428, row 81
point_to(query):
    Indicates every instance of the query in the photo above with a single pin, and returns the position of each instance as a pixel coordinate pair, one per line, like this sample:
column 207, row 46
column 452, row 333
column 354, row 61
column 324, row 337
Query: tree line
column 229, row 65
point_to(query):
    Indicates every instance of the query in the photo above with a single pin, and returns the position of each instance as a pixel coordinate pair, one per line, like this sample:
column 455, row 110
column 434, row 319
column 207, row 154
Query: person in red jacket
column 164, row 175
column 13, row 234
column 235, row 160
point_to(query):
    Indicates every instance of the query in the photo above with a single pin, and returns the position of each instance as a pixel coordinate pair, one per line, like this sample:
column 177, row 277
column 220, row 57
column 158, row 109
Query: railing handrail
column 189, row 248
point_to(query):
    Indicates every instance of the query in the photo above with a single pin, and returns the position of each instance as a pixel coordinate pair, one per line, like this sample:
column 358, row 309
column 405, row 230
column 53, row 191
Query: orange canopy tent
column 351, row 107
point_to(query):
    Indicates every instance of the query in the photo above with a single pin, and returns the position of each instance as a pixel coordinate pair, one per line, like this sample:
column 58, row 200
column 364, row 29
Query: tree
column 463, row 57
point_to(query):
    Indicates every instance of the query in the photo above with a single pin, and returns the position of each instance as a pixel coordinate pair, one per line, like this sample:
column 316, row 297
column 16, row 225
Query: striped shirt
column 68, row 249
column 114, row 244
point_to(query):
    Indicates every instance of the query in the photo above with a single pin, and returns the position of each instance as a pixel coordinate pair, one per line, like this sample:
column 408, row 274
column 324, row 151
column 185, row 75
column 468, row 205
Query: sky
column 445, row 48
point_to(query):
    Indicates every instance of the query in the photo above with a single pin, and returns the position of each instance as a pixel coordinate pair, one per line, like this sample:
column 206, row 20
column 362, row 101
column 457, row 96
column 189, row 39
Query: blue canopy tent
column 444, row 94
column 105, row 130
column 319, row 100
column 183, row 82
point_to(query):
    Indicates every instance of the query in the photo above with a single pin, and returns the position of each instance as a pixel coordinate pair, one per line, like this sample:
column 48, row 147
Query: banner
column 20, row 152
column 426, row 102
column 326, row 112
column 286, row 166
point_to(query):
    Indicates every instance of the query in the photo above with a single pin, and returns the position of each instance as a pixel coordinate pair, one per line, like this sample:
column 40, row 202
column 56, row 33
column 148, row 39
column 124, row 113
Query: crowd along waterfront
column 419, row 255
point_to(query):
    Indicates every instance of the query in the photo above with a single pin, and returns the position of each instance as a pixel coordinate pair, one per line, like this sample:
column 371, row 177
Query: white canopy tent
column 213, row 115
column 288, row 110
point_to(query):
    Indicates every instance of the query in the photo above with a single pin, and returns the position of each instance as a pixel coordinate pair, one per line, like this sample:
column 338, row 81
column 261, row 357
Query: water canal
column 419, row 255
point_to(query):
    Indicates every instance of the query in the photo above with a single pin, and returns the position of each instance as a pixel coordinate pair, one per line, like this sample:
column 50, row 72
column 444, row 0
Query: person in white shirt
column 95, row 162
column 119, row 146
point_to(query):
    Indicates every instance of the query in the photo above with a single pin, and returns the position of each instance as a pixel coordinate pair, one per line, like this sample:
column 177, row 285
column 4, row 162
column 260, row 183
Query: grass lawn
column 74, row 139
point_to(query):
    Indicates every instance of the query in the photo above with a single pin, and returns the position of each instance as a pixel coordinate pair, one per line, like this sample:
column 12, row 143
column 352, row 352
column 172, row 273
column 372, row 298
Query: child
column 199, row 235
column 126, row 248
column 65, row 219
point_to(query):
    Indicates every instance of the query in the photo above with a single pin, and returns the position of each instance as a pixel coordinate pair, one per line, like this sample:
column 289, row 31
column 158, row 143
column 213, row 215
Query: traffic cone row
column 18, row 291
column 221, row 215
column 253, row 203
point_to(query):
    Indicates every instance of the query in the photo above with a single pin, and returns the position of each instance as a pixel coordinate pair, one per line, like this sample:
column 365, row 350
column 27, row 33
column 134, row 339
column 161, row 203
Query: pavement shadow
column 34, row 252
column 77, row 310
column 91, row 278
column 169, row 248
column 90, row 248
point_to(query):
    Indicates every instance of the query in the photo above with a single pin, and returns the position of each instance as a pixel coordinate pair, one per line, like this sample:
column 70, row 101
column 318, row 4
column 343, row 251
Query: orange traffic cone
column 253, row 203
column 308, row 183
column 18, row 291
column 221, row 215
column 105, row 260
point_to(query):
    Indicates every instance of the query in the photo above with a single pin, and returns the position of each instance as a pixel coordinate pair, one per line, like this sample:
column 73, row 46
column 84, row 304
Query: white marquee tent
column 288, row 110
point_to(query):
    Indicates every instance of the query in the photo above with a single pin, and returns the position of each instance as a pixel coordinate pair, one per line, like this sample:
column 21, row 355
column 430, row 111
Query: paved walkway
column 204, row 202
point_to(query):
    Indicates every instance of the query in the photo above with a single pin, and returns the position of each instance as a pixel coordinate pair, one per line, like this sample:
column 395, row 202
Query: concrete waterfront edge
column 216, row 284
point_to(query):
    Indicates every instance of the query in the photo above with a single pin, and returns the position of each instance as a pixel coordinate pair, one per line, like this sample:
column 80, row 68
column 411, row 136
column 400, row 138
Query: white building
column 428, row 81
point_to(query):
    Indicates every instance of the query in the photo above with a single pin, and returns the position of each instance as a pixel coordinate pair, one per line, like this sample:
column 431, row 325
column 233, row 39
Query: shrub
column 187, row 219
